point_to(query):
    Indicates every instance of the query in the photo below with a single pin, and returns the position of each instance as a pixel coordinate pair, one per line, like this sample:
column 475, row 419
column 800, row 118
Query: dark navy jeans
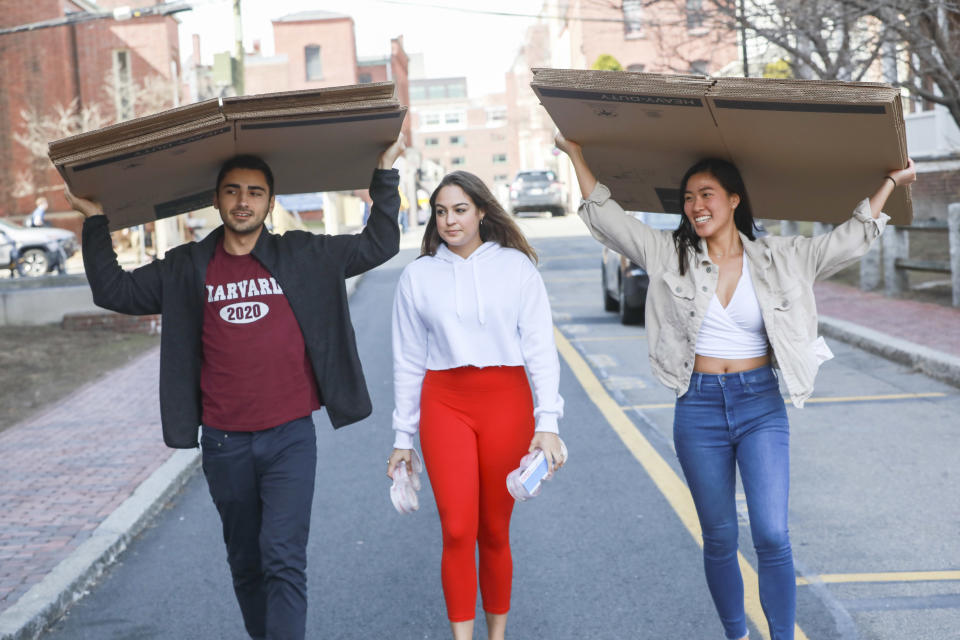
column 262, row 484
column 725, row 421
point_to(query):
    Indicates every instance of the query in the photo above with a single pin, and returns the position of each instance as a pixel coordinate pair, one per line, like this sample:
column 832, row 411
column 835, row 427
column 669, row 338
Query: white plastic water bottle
column 525, row 481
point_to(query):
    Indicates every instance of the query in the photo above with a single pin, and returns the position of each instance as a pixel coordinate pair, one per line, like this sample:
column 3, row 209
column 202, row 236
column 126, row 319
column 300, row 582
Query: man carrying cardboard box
column 256, row 336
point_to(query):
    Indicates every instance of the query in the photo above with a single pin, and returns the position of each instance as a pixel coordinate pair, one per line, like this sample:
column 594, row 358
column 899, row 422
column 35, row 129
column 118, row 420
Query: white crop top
column 737, row 331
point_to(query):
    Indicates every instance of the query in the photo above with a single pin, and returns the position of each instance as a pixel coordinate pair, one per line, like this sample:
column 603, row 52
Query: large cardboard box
column 807, row 150
column 167, row 163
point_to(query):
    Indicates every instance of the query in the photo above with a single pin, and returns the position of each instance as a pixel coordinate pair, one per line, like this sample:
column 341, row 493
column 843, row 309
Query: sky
column 453, row 38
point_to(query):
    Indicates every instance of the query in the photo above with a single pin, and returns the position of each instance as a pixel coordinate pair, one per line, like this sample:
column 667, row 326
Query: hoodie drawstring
column 472, row 265
column 476, row 288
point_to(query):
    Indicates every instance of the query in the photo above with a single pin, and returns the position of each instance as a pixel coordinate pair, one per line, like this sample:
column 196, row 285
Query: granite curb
column 936, row 364
column 49, row 599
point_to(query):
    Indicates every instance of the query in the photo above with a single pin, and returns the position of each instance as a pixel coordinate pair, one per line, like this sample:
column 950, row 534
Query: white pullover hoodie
column 488, row 310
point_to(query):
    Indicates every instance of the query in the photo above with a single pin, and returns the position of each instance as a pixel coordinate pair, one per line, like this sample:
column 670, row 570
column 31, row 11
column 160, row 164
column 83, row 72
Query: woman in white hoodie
column 471, row 320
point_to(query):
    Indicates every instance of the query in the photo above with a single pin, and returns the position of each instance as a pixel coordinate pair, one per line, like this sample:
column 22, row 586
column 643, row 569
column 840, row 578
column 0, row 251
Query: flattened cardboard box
column 166, row 164
column 807, row 150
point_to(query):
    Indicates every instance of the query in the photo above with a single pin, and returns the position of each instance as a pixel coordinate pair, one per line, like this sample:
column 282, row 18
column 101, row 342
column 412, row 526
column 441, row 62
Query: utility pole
column 743, row 37
column 238, row 49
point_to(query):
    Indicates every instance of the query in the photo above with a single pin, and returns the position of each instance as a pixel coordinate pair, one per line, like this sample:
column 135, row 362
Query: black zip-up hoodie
column 310, row 269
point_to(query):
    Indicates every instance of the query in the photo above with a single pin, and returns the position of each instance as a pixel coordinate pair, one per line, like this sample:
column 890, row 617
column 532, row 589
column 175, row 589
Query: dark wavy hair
column 247, row 161
column 727, row 174
column 497, row 225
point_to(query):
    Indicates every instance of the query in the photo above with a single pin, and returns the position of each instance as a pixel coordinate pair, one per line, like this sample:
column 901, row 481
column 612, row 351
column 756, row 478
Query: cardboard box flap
column 627, row 126
column 807, row 150
column 328, row 152
column 155, row 167
column 833, row 141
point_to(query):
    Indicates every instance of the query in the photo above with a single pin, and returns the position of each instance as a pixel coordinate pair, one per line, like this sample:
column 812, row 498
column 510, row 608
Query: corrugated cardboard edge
column 142, row 142
column 374, row 92
column 154, row 124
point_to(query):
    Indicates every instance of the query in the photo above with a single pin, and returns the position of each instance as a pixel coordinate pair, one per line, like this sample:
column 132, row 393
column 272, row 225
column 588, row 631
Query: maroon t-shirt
column 255, row 373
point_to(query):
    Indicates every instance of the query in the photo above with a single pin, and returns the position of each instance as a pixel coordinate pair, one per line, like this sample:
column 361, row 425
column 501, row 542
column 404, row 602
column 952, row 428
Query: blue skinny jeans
column 724, row 421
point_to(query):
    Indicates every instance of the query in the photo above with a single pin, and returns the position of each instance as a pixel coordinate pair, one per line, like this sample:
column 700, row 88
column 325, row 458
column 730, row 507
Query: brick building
column 117, row 68
column 316, row 49
column 454, row 132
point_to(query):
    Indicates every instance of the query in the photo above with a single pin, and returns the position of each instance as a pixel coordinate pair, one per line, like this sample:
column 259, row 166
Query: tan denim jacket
column 783, row 270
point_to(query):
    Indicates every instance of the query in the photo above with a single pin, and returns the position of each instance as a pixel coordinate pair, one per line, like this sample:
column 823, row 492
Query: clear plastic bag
column 403, row 491
column 527, row 480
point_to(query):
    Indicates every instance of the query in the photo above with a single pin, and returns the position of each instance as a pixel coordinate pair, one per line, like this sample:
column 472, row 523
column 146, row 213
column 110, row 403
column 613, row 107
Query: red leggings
column 475, row 425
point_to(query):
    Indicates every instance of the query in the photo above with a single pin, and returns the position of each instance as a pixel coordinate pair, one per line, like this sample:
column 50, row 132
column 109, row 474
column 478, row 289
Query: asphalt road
column 606, row 552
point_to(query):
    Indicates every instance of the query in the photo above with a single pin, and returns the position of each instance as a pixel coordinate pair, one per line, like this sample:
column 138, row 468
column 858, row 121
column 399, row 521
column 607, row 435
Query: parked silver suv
column 40, row 249
column 538, row 191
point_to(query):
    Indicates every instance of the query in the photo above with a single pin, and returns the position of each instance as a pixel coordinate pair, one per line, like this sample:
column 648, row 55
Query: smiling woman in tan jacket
column 723, row 309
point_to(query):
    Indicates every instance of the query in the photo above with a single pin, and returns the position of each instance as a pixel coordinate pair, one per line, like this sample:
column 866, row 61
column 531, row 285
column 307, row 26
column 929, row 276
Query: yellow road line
column 663, row 476
column 641, row 407
column 891, row 396
column 895, row 576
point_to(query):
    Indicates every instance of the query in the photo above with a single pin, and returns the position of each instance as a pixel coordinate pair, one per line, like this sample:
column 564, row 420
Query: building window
column 499, row 158
column 496, row 116
column 694, row 15
column 436, row 91
column 459, row 160
column 364, row 78
column 700, row 67
column 636, row 68
column 312, row 56
column 418, row 92
column 453, row 117
column 633, row 18
column 501, row 177
column 431, row 142
column 457, row 140
column 123, row 84
column 431, row 119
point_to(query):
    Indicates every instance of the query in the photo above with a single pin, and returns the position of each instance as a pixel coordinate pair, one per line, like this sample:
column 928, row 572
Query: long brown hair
column 497, row 225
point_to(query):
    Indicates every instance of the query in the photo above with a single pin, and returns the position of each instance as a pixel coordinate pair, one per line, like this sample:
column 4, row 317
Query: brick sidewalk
column 922, row 323
column 62, row 472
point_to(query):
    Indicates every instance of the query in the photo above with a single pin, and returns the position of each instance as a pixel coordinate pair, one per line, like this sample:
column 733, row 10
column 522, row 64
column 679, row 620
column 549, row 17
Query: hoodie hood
column 468, row 267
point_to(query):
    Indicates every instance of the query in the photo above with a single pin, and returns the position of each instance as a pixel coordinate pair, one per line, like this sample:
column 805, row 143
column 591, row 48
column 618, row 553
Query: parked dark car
column 9, row 259
column 538, row 191
column 624, row 282
column 41, row 249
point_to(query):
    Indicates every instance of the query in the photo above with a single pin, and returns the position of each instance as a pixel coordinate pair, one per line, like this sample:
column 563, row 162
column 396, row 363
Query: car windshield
column 536, row 176
column 668, row 221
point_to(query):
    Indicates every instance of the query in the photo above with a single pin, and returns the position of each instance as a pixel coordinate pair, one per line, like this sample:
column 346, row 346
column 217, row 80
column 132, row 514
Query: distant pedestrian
column 37, row 217
column 722, row 304
column 471, row 320
column 256, row 336
column 404, row 212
